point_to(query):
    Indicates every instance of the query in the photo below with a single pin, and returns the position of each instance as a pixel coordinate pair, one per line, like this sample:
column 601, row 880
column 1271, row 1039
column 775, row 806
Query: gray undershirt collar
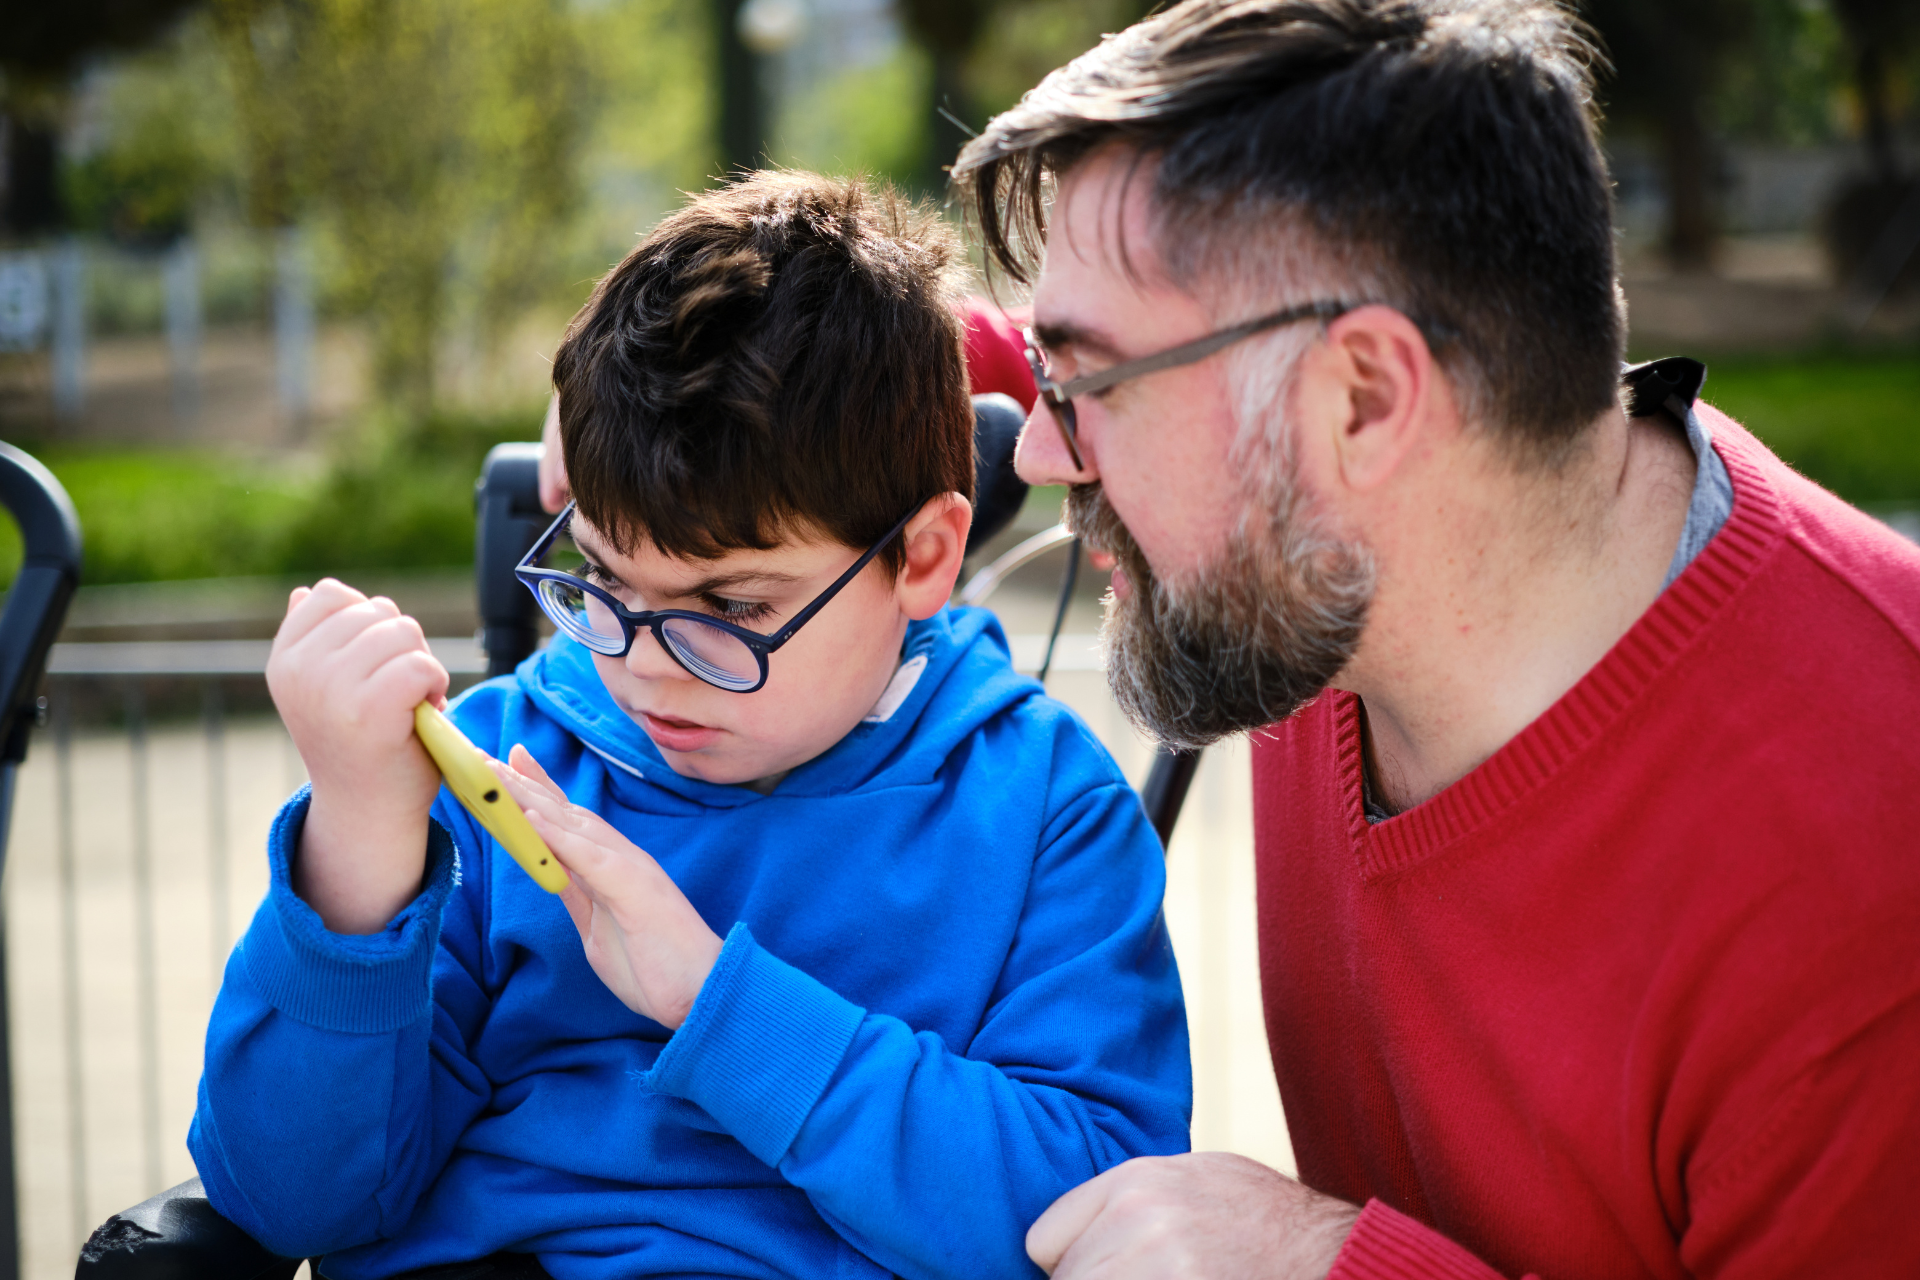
column 1707, row 511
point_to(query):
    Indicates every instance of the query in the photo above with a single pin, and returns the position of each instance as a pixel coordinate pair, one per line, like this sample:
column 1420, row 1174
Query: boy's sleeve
column 932, row 1159
column 336, row 1076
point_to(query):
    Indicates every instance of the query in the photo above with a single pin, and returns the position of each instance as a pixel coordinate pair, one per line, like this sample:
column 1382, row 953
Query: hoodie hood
column 955, row 674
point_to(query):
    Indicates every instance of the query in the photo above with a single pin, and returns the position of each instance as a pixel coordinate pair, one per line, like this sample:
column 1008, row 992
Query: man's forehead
column 1103, row 273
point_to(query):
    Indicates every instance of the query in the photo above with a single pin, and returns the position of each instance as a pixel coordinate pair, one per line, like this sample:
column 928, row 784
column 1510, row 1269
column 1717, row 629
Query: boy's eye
column 739, row 612
column 591, row 572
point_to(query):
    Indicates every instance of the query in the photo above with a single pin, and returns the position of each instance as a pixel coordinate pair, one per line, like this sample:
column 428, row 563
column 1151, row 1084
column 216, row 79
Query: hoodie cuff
column 758, row 1046
column 1388, row 1245
column 374, row 983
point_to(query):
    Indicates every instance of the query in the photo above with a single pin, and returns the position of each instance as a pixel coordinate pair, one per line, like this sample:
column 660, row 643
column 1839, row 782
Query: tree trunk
column 944, row 138
column 1687, row 157
column 1871, row 72
column 743, row 98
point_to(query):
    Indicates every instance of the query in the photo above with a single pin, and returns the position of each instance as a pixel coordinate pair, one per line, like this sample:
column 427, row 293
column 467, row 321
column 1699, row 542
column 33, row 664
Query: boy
column 898, row 977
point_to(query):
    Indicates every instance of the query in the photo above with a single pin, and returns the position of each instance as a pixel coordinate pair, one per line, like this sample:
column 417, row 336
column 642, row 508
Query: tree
column 1668, row 57
column 423, row 132
column 41, row 47
column 1880, row 32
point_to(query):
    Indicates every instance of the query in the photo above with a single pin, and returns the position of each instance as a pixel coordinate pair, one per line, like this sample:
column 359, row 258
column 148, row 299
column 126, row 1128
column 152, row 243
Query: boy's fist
column 345, row 674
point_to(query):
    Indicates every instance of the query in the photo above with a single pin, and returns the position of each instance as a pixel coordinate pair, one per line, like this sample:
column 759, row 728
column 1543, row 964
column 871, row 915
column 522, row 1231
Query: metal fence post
column 70, row 966
column 214, row 722
column 145, row 959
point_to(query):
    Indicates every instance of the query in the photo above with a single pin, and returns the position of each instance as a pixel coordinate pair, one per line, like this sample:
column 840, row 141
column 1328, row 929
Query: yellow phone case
column 464, row 766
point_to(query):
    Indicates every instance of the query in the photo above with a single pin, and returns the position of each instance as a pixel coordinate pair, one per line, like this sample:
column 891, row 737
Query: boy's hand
column 346, row 673
column 641, row 934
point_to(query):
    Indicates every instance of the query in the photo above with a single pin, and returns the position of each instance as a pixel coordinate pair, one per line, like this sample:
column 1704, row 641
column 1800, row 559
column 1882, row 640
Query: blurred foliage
column 52, row 39
column 403, row 499
column 394, row 499
column 1691, row 76
column 161, row 145
column 858, row 123
column 1846, row 419
column 653, row 107
column 421, row 130
column 1026, row 40
column 1793, row 89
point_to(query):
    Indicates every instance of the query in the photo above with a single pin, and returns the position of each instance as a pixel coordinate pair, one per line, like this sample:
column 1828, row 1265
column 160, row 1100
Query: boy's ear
column 936, row 543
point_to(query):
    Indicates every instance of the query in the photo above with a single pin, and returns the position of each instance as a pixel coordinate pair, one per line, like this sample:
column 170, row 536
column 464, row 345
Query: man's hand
column 641, row 934
column 346, row 673
column 553, row 463
column 1209, row 1214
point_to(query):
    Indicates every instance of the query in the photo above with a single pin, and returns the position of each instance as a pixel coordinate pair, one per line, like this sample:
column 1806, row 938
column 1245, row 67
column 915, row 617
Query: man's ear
column 936, row 543
column 1386, row 375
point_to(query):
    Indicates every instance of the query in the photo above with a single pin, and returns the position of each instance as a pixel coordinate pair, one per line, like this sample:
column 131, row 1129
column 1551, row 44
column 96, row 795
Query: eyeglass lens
column 1060, row 406
column 712, row 653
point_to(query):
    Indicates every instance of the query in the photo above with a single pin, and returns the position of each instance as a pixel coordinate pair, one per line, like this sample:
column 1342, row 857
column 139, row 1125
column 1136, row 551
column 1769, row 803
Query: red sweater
column 1640, row 995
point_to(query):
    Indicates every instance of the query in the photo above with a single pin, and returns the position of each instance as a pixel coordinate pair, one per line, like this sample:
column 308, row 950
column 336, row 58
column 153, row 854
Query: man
column 1589, row 899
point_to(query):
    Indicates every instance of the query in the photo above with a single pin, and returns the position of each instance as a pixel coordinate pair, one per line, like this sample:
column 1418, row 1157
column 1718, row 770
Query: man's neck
column 1504, row 588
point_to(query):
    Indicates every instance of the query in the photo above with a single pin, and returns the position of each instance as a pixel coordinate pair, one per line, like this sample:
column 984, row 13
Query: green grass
column 402, row 500
column 1849, row 420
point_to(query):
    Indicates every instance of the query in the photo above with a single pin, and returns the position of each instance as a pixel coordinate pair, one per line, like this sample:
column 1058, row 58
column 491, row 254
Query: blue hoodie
column 946, row 997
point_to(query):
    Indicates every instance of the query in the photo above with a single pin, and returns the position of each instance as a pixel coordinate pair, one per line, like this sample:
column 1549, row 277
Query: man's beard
column 1248, row 639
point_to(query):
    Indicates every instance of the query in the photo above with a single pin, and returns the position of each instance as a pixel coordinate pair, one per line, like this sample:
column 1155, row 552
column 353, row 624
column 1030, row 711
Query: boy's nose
column 1041, row 457
column 649, row 660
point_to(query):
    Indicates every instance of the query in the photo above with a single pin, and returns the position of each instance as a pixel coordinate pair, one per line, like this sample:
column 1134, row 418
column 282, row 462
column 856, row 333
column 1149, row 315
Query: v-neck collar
column 1588, row 710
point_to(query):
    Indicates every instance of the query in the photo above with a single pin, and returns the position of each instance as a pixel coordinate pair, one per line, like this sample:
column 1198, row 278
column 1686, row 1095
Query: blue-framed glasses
column 712, row 649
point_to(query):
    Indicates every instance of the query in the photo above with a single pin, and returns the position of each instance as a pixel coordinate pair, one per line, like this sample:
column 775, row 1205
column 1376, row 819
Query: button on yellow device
column 476, row 786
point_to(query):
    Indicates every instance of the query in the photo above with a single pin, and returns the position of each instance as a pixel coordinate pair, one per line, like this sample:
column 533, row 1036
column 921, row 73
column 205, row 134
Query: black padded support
column 506, row 503
column 177, row 1235
column 1166, row 789
column 998, row 493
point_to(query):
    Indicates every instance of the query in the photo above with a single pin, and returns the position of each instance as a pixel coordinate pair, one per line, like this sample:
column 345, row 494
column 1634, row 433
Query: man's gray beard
column 1249, row 640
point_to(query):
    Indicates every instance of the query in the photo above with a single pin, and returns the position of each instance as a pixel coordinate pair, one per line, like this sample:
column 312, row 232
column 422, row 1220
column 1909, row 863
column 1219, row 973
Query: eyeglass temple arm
column 538, row 551
column 820, row 601
column 1199, row 348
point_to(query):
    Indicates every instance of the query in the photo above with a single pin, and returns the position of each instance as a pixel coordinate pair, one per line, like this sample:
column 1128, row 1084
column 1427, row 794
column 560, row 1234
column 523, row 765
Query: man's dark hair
column 778, row 357
column 1441, row 152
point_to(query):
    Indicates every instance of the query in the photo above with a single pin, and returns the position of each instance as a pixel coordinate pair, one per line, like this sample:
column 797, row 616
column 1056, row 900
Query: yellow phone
column 475, row 785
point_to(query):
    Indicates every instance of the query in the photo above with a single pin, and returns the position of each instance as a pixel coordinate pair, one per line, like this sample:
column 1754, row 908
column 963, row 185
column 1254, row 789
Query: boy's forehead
column 794, row 559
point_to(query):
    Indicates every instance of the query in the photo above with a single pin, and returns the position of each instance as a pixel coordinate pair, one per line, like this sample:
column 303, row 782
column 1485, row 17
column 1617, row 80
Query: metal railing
column 143, row 810
column 124, row 896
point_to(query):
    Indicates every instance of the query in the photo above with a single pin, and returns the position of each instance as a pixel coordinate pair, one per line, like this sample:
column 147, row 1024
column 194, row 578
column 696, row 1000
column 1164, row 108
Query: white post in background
column 23, row 301
column 69, row 329
column 182, row 276
column 293, row 324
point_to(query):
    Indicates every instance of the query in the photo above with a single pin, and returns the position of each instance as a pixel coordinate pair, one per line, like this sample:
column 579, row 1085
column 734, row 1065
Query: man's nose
column 1042, row 457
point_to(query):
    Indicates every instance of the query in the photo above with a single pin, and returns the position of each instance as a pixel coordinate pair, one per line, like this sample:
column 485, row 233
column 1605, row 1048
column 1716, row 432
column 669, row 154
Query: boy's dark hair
column 1439, row 153
column 778, row 357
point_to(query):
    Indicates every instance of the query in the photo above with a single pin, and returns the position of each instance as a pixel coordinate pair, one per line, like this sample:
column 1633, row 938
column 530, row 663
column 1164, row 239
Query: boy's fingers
column 308, row 607
column 584, row 859
column 579, row 906
column 340, row 626
column 408, row 679
column 523, row 761
column 527, row 789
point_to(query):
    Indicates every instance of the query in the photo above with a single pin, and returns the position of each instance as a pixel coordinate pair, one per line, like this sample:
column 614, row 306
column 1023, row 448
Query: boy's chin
column 724, row 764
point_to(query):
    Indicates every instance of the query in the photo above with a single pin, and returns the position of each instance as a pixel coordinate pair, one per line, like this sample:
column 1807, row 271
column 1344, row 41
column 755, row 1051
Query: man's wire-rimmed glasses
column 712, row 649
column 1059, row 395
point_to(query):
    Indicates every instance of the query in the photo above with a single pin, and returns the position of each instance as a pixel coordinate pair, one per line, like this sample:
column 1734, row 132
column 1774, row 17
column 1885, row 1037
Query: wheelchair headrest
column 998, row 494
